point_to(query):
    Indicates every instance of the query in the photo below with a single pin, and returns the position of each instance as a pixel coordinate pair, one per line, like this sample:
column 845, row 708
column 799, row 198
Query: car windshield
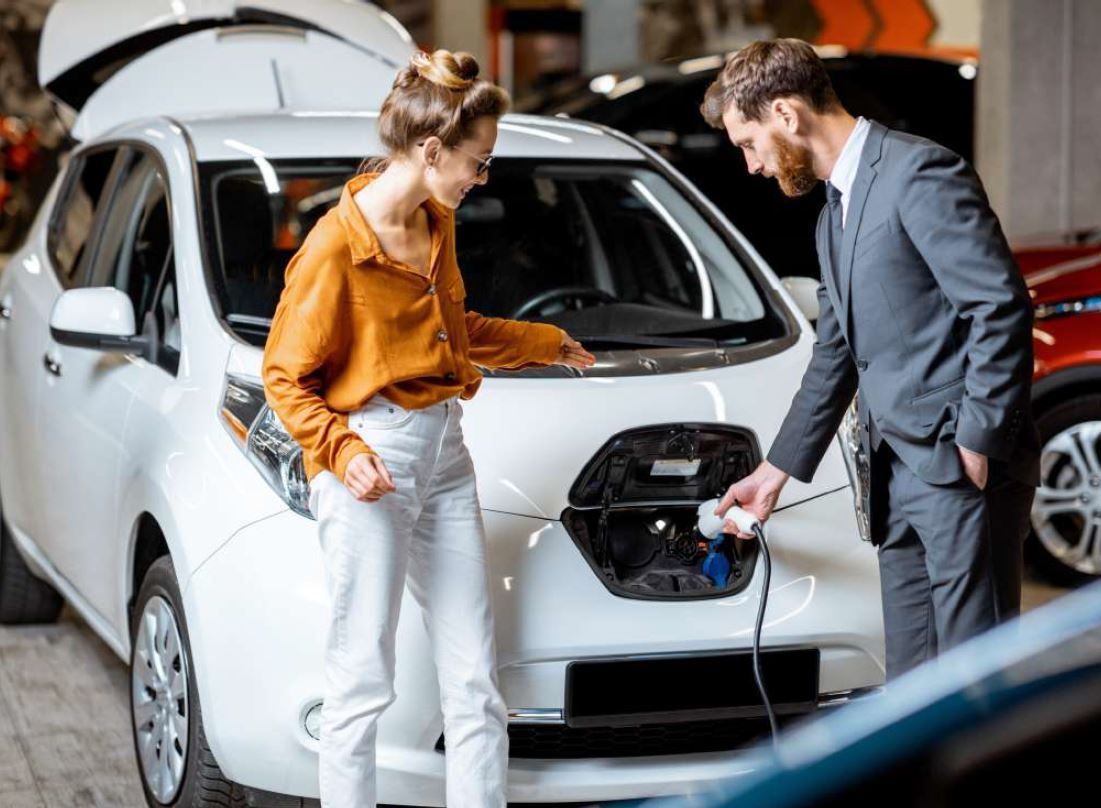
column 611, row 252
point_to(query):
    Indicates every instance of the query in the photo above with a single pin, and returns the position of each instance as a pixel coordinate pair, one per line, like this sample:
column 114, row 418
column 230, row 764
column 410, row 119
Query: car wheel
column 1065, row 546
column 175, row 763
column 24, row 597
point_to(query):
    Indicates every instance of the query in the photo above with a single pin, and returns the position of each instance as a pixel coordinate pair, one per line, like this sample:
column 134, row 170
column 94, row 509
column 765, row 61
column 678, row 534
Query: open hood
column 115, row 60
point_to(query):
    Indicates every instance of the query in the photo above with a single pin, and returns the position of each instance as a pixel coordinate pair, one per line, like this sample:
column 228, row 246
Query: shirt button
column 449, row 376
column 441, row 335
column 432, row 289
column 862, row 364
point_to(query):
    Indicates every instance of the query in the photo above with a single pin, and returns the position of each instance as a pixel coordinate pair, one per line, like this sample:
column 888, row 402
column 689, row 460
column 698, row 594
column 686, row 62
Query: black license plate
column 688, row 687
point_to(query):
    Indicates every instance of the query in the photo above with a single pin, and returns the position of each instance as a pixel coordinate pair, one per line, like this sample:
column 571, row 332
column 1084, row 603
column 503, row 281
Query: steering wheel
column 575, row 293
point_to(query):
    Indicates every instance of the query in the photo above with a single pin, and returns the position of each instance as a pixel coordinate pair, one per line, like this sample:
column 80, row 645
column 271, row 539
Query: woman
column 370, row 350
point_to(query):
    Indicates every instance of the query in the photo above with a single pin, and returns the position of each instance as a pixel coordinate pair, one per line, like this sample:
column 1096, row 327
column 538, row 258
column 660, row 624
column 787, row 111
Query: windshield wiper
column 646, row 341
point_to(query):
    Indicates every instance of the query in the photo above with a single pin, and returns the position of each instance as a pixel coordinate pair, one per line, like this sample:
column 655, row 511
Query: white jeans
column 429, row 534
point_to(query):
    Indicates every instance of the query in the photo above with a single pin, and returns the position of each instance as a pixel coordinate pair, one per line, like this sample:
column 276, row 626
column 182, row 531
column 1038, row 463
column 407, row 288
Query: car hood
column 530, row 438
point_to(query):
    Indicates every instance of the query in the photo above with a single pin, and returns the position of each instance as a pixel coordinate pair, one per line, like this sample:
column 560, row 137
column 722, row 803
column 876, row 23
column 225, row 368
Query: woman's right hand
column 367, row 479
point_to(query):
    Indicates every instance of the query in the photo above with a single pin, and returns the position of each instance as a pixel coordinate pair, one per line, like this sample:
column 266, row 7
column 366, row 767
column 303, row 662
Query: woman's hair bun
column 455, row 71
column 439, row 95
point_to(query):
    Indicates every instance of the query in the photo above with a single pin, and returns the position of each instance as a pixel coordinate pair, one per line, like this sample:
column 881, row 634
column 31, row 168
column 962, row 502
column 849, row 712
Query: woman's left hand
column 571, row 353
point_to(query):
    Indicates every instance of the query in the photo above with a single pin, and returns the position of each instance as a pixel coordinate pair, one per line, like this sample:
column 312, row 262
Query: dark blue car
column 1011, row 718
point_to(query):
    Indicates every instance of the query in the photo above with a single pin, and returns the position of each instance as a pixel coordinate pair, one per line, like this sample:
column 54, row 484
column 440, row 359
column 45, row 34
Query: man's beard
column 794, row 167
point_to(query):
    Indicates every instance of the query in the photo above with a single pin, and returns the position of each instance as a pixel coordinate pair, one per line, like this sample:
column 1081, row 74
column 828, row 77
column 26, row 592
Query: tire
column 24, row 597
column 200, row 782
column 1070, row 433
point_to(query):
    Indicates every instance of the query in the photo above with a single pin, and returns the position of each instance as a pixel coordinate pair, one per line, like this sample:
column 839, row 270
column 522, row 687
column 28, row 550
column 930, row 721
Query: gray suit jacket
column 927, row 315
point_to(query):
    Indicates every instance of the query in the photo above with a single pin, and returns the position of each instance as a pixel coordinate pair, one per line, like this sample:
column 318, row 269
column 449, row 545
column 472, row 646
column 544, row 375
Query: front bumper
column 257, row 619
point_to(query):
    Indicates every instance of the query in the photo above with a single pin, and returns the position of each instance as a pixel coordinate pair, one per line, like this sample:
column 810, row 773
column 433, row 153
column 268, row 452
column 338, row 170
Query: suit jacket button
column 441, row 335
column 861, row 364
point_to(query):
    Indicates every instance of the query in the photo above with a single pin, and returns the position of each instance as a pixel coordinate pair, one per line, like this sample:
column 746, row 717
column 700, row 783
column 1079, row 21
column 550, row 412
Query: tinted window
column 73, row 223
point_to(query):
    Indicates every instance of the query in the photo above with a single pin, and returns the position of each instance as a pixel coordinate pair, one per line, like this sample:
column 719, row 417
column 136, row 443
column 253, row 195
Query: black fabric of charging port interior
column 693, row 687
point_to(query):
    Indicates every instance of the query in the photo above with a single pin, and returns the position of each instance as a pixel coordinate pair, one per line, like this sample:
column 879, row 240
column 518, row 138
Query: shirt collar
column 844, row 170
column 362, row 241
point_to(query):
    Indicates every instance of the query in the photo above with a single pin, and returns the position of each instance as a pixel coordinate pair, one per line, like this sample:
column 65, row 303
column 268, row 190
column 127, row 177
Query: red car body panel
column 1064, row 283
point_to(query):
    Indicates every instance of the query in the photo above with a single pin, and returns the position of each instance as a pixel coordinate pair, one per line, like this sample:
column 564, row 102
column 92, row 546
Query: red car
column 1065, row 285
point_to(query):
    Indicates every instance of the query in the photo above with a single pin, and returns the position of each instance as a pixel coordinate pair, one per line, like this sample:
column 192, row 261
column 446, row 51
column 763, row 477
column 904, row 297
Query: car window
column 255, row 230
column 166, row 314
column 135, row 252
column 76, row 212
column 604, row 250
column 616, row 230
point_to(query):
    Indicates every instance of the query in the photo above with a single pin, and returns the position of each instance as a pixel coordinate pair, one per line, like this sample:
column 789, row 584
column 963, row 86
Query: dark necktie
column 833, row 198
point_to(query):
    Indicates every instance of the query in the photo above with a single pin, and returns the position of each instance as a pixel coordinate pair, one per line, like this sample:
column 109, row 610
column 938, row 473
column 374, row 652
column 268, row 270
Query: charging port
column 633, row 511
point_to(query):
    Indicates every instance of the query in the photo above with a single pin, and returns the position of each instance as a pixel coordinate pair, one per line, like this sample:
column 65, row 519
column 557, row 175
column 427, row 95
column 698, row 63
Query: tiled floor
column 64, row 717
column 64, row 720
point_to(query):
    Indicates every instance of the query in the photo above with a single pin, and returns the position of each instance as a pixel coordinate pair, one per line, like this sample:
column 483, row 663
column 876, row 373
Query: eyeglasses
column 482, row 169
column 483, row 162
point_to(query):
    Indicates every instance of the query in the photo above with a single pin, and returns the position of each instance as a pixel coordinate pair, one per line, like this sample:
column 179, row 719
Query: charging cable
column 710, row 525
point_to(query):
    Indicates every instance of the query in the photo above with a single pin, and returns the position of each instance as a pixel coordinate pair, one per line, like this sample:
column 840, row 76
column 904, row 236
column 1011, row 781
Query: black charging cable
column 773, row 726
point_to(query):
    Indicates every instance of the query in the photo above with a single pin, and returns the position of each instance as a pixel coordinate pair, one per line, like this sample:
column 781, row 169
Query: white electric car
column 143, row 479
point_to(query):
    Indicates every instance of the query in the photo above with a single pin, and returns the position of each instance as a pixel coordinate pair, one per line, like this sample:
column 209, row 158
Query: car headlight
column 857, row 462
column 258, row 432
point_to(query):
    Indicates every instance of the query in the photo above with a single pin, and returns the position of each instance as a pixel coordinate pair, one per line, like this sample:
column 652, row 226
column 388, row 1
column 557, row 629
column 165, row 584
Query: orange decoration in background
column 904, row 25
column 849, row 23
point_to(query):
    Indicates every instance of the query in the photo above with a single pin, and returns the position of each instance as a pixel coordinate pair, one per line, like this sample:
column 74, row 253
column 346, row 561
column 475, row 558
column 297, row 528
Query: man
column 923, row 309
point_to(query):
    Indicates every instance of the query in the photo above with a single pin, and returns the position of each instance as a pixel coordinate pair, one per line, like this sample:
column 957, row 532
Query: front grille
column 558, row 741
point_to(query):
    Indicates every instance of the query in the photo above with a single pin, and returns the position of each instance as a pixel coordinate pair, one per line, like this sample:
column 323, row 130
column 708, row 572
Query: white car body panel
column 549, row 609
column 28, row 297
column 549, row 433
column 351, row 134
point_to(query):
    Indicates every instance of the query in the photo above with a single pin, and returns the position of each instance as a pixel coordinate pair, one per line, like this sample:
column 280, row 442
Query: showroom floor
column 64, row 720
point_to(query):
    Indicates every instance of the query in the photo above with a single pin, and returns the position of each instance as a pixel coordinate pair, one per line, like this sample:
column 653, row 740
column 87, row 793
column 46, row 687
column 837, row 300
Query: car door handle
column 51, row 364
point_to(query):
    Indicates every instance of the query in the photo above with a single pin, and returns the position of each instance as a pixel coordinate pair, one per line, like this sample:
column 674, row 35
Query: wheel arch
column 1064, row 384
column 148, row 544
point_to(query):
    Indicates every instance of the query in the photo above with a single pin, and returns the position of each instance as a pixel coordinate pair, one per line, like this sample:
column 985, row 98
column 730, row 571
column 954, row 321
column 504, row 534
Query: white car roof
column 294, row 134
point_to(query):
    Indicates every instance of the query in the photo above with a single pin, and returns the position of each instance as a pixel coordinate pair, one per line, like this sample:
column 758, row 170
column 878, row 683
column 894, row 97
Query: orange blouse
column 352, row 322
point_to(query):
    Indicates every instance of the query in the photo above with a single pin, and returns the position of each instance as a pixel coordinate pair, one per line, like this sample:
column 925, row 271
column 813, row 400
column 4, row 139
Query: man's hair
column 766, row 70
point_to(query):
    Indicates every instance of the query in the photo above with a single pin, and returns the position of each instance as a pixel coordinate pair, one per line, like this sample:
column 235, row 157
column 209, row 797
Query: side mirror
column 101, row 319
column 804, row 291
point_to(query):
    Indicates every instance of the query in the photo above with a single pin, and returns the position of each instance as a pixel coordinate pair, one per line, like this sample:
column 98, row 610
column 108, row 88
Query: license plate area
column 688, row 687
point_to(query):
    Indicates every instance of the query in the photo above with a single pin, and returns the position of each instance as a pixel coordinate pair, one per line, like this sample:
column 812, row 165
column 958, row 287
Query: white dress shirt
column 844, row 170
